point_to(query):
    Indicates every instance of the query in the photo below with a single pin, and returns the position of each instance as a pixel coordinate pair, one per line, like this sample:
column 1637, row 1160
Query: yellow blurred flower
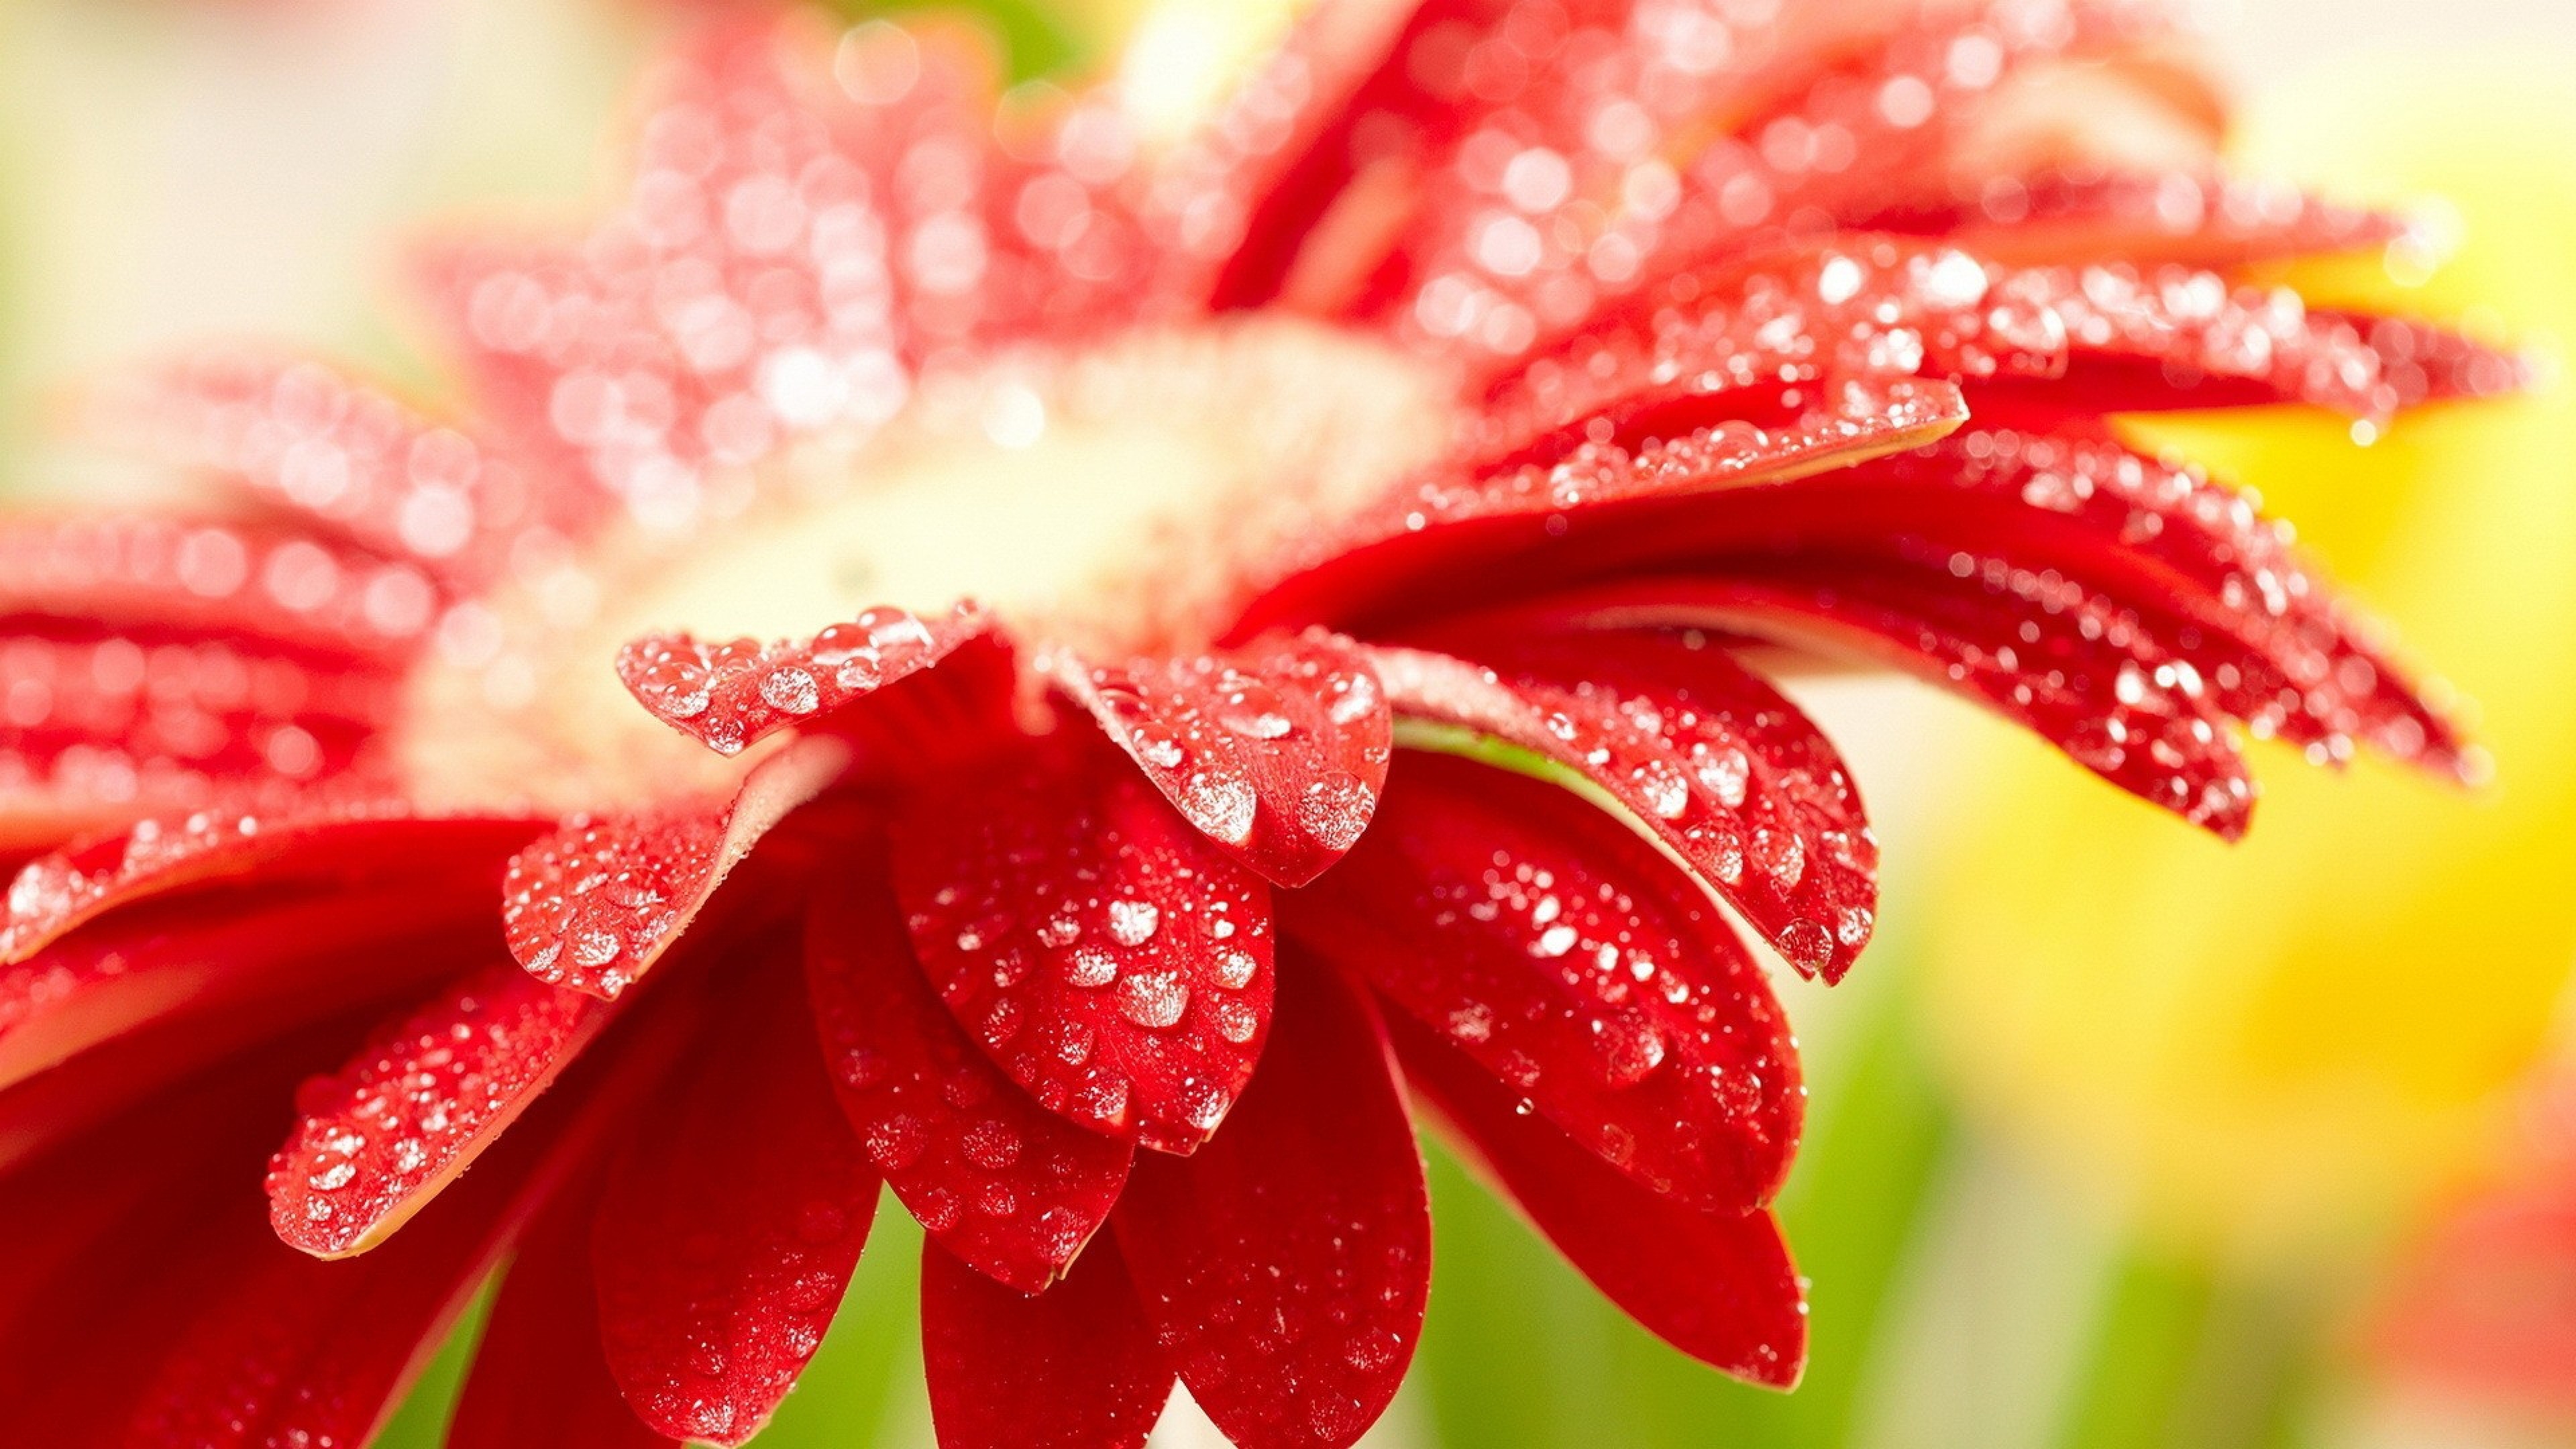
column 2283, row 1043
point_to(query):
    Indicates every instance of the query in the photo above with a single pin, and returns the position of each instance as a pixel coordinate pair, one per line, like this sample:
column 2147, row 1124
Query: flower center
column 1114, row 500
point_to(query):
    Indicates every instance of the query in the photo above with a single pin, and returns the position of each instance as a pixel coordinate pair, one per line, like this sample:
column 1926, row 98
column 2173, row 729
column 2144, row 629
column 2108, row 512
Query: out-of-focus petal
column 311, row 844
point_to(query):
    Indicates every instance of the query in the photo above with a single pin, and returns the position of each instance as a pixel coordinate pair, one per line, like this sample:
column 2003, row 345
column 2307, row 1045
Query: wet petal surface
column 415, row 1106
column 594, row 905
column 727, row 1229
column 730, row 695
column 1275, row 751
column 999, row 1182
column 1097, row 947
column 1718, row 1286
column 1074, row 1368
column 1575, row 964
column 1710, row 759
column 1285, row 1267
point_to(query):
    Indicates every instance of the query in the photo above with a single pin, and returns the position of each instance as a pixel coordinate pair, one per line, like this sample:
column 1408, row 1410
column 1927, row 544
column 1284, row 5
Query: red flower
column 1486, row 380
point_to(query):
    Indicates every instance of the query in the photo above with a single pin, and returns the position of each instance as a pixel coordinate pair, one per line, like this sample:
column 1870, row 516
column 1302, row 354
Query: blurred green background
column 2114, row 1143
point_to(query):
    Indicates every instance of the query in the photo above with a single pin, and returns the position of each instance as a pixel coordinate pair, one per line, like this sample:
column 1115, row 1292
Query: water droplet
column 1153, row 998
column 1132, row 923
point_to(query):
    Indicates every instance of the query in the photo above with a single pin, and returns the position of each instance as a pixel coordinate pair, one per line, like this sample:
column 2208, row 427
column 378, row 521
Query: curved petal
column 287, row 1350
column 727, row 696
column 539, row 1377
column 594, row 905
column 418, row 1104
column 1562, row 197
column 1717, row 1286
column 728, row 1228
column 1714, row 762
column 997, row 1181
column 1575, row 964
column 289, row 957
column 1275, row 751
column 1099, row 949
column 320, row 844
column 2074, row 668
column 1285, row 1267
column 1462, row 526
column 1073, row 1368
column 2143, row 217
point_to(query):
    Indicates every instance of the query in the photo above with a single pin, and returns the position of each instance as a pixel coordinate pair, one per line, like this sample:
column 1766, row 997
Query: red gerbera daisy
column 1440, row 428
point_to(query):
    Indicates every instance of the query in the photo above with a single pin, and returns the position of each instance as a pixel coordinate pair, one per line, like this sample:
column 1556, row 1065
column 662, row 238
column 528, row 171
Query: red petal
column 539, row 1377
column 301, row 436
column 1285, row 1267
column 2173, row 337
column 594, row 905
column 1001, row 1183
column 1244, row 198
column 286, row 960
column 2188, row 218
column 1717, row 1286
column 312, row 844
column 2076, row 669
column 215, row 578
column 1101, row 951
column 1275, row 751
column 1776, row 120
column 1572, row 961
column 1073, row 1368
column 1453, row 526
column 2424, row 364
column 1712, row 760
column 288, row 1350
column 417, row 1105
column 779, row 268
column 727, row 696
column 1851, row 307
column 727, row 1231
column 2160, row 539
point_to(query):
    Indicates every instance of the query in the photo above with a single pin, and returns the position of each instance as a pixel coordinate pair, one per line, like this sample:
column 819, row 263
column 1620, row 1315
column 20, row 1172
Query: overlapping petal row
column 1127, row 975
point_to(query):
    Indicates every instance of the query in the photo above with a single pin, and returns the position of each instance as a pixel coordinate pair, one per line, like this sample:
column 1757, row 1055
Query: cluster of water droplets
column 1118, row 971
column 590, row 905
column 415, row 1102
column 1011, row 1188
column 2304, row 670
column 1288, row 741
column 1850, row 417
column 729, row 694
column 1583, row 177
column 1726, row 772
column 1863, row 307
